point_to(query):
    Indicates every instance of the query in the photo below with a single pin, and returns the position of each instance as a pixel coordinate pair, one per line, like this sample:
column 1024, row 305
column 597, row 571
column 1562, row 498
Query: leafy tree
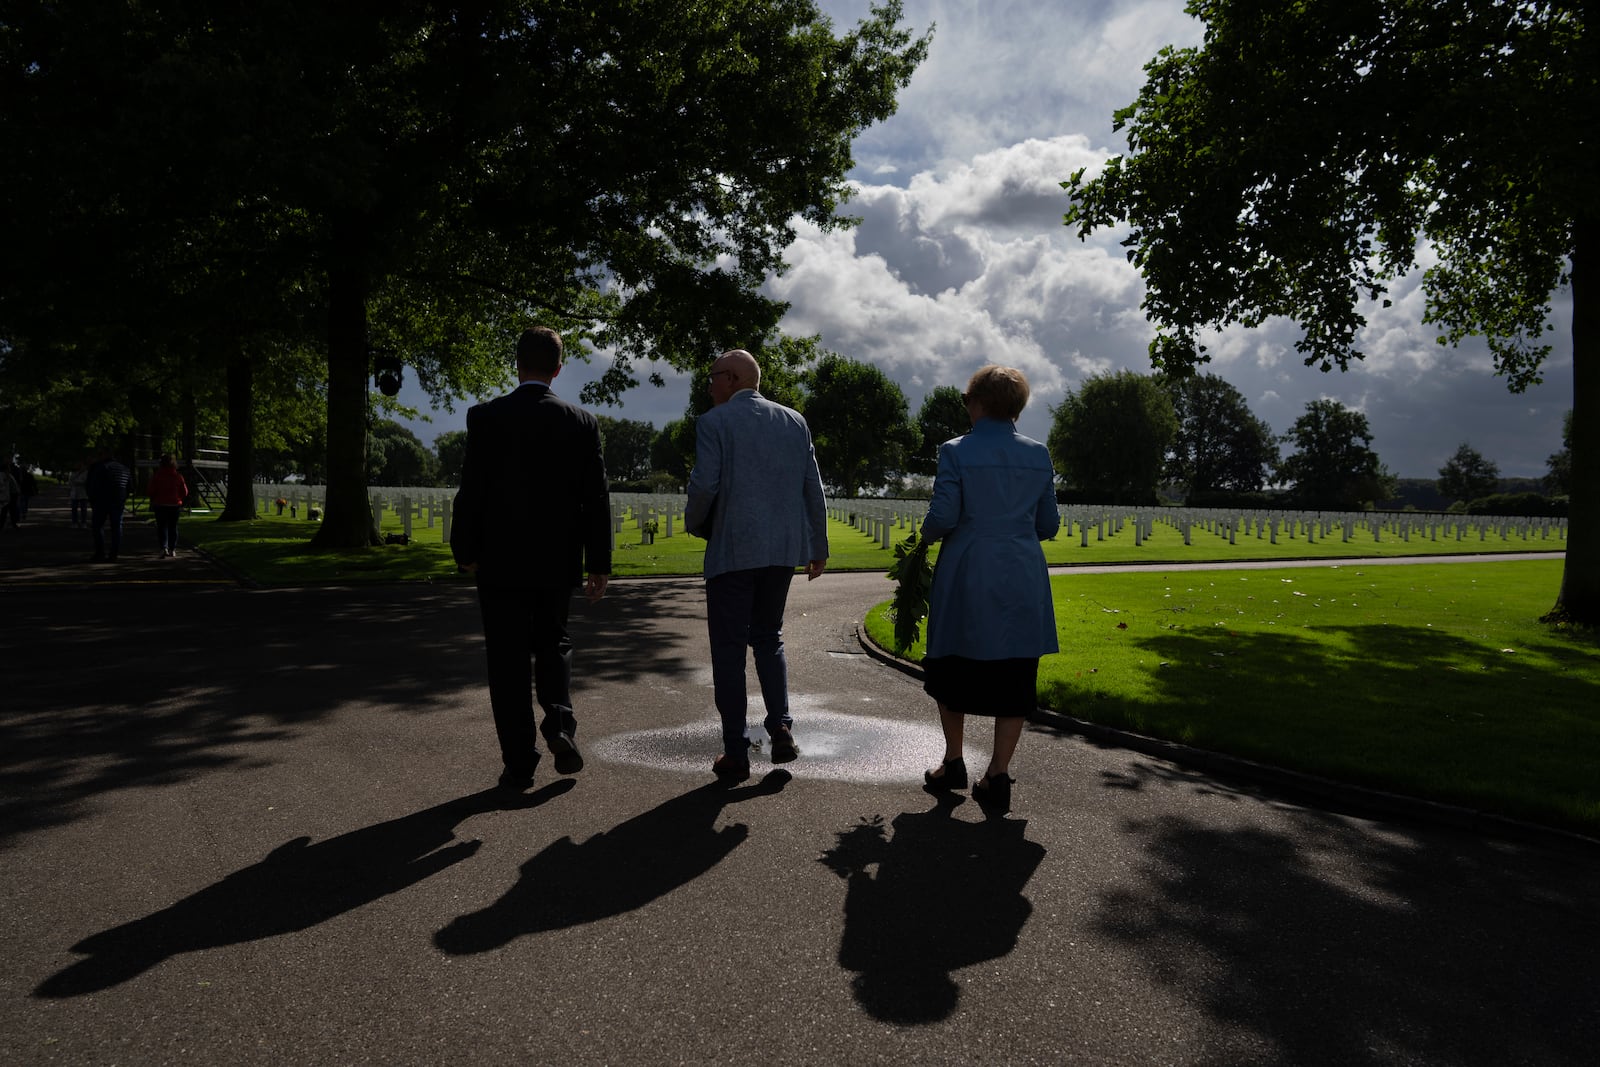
column 1467, row 475
column 396, row 456
column 451, row 449
column 784, row 361
column 1333, row 467
column 1109, row 437
column 672, row 450
column 1293, row 165
column 435, row 175
column 625, row 444
column 1559, row 480
column 943, row 416
column 860, row 424
column 1219, row 445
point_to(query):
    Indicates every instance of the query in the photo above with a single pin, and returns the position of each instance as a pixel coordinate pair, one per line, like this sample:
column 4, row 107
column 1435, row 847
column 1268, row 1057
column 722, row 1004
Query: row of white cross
column 655, row 515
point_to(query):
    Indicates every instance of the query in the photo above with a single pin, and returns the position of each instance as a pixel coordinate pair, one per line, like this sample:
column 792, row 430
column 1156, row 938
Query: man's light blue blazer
column 756, row 494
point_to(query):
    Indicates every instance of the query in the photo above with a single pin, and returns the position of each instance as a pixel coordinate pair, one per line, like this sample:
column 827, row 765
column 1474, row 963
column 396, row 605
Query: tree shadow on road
column 648, row 856
column 945, row 894
column 137, row 687
column 297, row 886
column 1349, row 944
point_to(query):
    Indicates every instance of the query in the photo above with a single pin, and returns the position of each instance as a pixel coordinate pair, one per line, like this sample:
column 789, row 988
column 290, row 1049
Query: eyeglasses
column 715, row 373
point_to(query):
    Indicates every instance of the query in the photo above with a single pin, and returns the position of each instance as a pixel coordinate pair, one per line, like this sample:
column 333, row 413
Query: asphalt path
column 256, row 826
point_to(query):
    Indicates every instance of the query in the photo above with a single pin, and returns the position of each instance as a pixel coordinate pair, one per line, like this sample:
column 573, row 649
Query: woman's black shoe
column 993, row 793
column 952, row 775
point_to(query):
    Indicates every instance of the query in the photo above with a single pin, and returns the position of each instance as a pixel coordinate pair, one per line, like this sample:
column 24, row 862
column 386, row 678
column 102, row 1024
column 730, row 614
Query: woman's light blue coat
column 994, row 500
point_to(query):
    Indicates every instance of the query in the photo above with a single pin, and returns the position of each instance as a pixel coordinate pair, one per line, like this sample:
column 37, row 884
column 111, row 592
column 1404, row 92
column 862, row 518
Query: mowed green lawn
column 1433, row 680
column 276, row 550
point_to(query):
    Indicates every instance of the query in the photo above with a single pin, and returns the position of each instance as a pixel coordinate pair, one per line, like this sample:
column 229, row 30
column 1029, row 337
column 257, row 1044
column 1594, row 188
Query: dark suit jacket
column 533, row 511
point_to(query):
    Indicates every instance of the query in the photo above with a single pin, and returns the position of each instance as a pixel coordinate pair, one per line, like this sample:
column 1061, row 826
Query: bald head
column 732, row 372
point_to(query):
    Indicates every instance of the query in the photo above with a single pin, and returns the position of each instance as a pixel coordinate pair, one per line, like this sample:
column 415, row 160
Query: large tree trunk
column 1579, row 600
column 347, row 522
column 241, row 504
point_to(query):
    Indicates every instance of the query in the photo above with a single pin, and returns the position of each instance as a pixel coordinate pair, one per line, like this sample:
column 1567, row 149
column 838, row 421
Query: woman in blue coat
column 990, row 615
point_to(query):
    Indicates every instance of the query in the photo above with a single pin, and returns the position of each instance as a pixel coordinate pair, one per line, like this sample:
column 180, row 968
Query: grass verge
column 276, row 550
column 1435, row 681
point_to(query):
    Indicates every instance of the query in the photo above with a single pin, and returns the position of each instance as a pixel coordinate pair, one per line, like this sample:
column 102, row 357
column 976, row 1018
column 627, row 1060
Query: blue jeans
column 167, row 526
column 745, row 609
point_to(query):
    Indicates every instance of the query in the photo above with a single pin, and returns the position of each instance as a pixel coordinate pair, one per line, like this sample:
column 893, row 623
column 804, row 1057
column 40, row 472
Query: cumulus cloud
column 961, row 257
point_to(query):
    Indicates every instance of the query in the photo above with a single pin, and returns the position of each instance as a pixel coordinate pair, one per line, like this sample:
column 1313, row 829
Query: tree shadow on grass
column 1349, row 706
column 648, row 856
column 944, row 894
column 129, row 687
column 1338, row 945
column 297, row 886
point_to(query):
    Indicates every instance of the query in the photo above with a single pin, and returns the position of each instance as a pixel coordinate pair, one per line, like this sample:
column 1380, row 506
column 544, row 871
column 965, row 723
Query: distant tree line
column 1122, row 438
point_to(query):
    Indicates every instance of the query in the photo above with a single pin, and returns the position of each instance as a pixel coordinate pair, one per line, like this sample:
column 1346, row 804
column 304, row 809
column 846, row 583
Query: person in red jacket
column 168, row 491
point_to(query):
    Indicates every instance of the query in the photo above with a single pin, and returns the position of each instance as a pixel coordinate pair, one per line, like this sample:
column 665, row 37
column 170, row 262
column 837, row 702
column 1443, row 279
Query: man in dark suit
column 532, row 516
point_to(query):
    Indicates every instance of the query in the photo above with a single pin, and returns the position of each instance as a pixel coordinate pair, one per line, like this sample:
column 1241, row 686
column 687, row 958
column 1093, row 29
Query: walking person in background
column 78, row 493
column 533, row 513
column 990, row 615
column 756, row 497
column 109, row 484
column 29, row 486
column 9, row 492
column 168, row 493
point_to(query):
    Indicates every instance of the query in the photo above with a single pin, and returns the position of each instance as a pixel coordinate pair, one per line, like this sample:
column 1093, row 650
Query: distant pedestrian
column 9, row 492
column 30, row 489
column 78, row 493
column 532, row 516
column 168, row 492
column 756, row 497
column 109, row 484
column 990, row 613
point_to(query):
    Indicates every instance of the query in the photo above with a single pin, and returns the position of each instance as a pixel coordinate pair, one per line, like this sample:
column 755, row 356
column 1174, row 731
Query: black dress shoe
column 515, row 780
column 784, row 750
column 519, row 778
column 993, row 793
column 952, row 775
column 568, row 759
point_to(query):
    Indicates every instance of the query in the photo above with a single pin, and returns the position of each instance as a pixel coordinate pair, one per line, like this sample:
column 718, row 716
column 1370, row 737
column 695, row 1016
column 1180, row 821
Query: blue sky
column 962, row 259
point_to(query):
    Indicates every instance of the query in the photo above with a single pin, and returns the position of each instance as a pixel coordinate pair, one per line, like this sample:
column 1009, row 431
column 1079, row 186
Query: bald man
column 756, row 497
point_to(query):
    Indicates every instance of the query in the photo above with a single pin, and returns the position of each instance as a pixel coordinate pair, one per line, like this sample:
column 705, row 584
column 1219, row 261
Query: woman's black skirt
column 1001, row 688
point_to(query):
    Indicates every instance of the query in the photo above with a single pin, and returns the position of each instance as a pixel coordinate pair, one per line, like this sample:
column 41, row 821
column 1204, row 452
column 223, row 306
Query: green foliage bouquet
column 915, row 577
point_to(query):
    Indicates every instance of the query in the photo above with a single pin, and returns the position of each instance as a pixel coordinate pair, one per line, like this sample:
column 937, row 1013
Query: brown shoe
column 784, row 750
column 731, row 770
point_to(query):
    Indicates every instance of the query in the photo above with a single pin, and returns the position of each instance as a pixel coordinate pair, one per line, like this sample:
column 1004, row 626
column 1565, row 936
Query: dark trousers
column 744, row 609
column 80, row 512
column 529, row 652
column 167, row 527
column 103, row 516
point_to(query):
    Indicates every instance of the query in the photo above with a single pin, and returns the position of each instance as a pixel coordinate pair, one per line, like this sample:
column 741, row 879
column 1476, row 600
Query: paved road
column 252, row 827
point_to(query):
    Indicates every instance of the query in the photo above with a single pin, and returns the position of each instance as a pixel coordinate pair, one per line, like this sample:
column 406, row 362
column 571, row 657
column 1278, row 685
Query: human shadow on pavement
column 945, row 894
column 648, row 856
column 296, row 886
column 1341, row 942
